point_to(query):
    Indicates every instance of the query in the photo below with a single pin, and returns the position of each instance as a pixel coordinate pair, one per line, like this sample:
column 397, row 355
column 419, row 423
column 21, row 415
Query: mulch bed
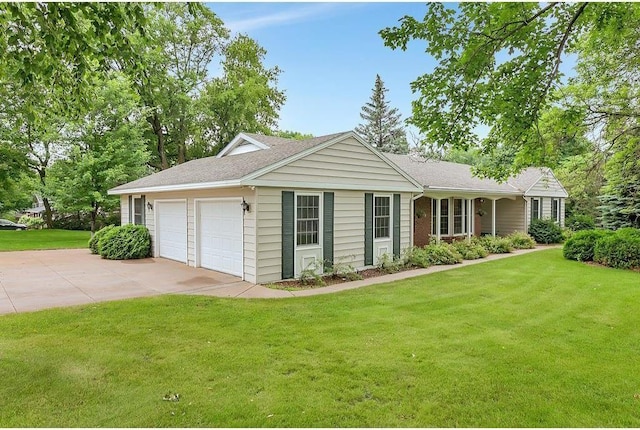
column 295, row 284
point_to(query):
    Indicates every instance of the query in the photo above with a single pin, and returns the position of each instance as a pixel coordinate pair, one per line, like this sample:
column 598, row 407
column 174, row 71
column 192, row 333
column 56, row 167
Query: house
column 267, row 208
column 455, row 203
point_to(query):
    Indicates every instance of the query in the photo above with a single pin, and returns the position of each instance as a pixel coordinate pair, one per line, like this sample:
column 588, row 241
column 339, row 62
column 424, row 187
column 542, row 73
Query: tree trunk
column 160, row 141
column 48, row 214
column 94, row 216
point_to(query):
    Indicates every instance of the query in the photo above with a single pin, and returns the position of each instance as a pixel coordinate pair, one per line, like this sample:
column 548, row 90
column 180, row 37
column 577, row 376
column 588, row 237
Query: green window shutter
column 541, row 210
column 288, row 244
column 130, row 209
column 144, row 210
column 396, row 225
column 368, row 229
column 327, row 230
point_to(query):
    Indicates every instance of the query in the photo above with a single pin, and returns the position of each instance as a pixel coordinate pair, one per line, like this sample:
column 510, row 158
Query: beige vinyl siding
column 546, row 208
column 249, row 223
column 269, row 234
column 547, row 186
column 124, row 209
column 348, row 229
column 510, row 216
column 344, row 164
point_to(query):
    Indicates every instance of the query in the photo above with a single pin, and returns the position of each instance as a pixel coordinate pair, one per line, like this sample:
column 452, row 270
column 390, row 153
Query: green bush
column 580, row 222
column 416, row 257
column 390, row 264
column 95, row 239
column 545, row 231
column 495, row 245
column 125, row 243
column 521, row 240
column 620, row 250
column 343, row 270
column 581, row 245
column 470, row 251
column 32, row 223
column 442, row 254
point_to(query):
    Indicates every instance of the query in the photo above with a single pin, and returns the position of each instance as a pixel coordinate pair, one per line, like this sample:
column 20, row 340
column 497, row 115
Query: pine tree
column 382, row 127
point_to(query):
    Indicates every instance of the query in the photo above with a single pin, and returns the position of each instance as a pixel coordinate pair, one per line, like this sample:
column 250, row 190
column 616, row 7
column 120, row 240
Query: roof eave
column 175, row 187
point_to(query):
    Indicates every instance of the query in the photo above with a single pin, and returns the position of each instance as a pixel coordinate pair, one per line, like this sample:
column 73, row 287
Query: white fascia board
column 324, row 186
column 236, row 142
column 177, row 187
column 465, row 192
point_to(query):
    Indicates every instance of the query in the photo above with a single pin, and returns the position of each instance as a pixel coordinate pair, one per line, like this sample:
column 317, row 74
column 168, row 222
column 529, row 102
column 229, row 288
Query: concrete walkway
column 35, row 280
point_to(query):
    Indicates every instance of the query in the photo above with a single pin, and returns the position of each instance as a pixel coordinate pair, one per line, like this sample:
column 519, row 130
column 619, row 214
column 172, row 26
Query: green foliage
column 125, row 242
column 289, row 134
column 310, row 275
column 439, row 254
column 620, row 250
column 494, row 245
column 29, row 240
column 390, row 264
column 382, row 127
column 499, row 67
column 521, row 240
column 470, row 250
column 580, row 222
column 94, row 242
column 343, row 270
column 416, row 257
column 32, row 223
column 545, row 231
column 582, row 244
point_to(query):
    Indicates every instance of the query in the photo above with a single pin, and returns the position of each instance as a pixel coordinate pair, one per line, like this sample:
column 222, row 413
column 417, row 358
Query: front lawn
column 528, row 341
column 11, row 240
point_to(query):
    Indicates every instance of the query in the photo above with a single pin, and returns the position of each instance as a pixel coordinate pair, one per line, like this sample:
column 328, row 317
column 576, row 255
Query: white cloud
column 297, row 13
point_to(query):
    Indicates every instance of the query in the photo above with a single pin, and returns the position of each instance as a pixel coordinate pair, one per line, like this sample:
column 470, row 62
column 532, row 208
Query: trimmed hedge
column 581, row 245
column 495, row 245
column 580, row 222
column 125, row 243
column 620, row 250
column 95, row 239
column 545, row 231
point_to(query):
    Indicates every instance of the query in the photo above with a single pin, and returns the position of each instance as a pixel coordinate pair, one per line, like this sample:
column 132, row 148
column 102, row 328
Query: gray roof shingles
column 229, row 167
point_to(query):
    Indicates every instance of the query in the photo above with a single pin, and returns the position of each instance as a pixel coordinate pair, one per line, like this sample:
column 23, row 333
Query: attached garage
column 171, row 230
column 219, row 235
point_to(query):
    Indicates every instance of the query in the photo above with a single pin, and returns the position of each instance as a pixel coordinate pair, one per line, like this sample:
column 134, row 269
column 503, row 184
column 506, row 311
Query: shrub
column 581, row 245
column 521, row 240
column 495, row 245
column 620, row 250
column 442, row 254
column 310, row 276
column 390, row 264
column 580, row 222
column 545, row 231
column 95, row 239
column 470, row 251
column 32, row 223
column 416, row 257
column 343, row 270
column 125, row 242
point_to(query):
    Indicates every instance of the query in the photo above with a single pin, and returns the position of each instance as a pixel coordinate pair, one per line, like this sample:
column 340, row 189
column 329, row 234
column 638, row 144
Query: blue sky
column 329, row 54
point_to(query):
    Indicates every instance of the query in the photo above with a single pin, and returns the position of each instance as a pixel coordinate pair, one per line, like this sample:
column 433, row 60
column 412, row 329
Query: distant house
column 37, row 209
column 265, row 208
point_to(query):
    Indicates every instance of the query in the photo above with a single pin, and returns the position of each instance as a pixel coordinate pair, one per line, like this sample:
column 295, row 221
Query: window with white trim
column 555, row 210
column 307, row 219
column 381, row 217
column 137, row 212
column 444, row 216
column 460, row 216
column 535, row 209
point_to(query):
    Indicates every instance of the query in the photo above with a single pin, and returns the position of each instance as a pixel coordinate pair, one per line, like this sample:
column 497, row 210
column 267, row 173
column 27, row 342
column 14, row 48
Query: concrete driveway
column 34, row 280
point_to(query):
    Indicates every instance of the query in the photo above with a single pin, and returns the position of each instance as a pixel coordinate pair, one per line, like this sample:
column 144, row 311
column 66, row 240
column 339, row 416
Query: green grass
column 43, row 239
column 529, row 341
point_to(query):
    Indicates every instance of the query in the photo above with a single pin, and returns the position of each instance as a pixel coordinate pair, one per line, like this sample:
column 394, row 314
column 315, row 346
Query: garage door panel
column 171, row 230
column 220, row 236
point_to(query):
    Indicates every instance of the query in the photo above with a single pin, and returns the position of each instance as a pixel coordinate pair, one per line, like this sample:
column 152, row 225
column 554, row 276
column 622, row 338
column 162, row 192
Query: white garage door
column 220, row 235
column 171, row 231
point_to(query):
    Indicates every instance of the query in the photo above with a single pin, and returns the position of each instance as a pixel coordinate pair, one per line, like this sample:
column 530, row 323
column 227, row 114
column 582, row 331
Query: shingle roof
column 229, row 167
column 444, row 174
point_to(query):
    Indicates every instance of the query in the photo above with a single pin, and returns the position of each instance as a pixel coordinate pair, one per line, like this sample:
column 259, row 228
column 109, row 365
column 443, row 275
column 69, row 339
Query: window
column 381, row 217
column 535, row 209
column 307, row 220
column 460, row 209
column 138, row 211
column 444, row 216
column 555, row 210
